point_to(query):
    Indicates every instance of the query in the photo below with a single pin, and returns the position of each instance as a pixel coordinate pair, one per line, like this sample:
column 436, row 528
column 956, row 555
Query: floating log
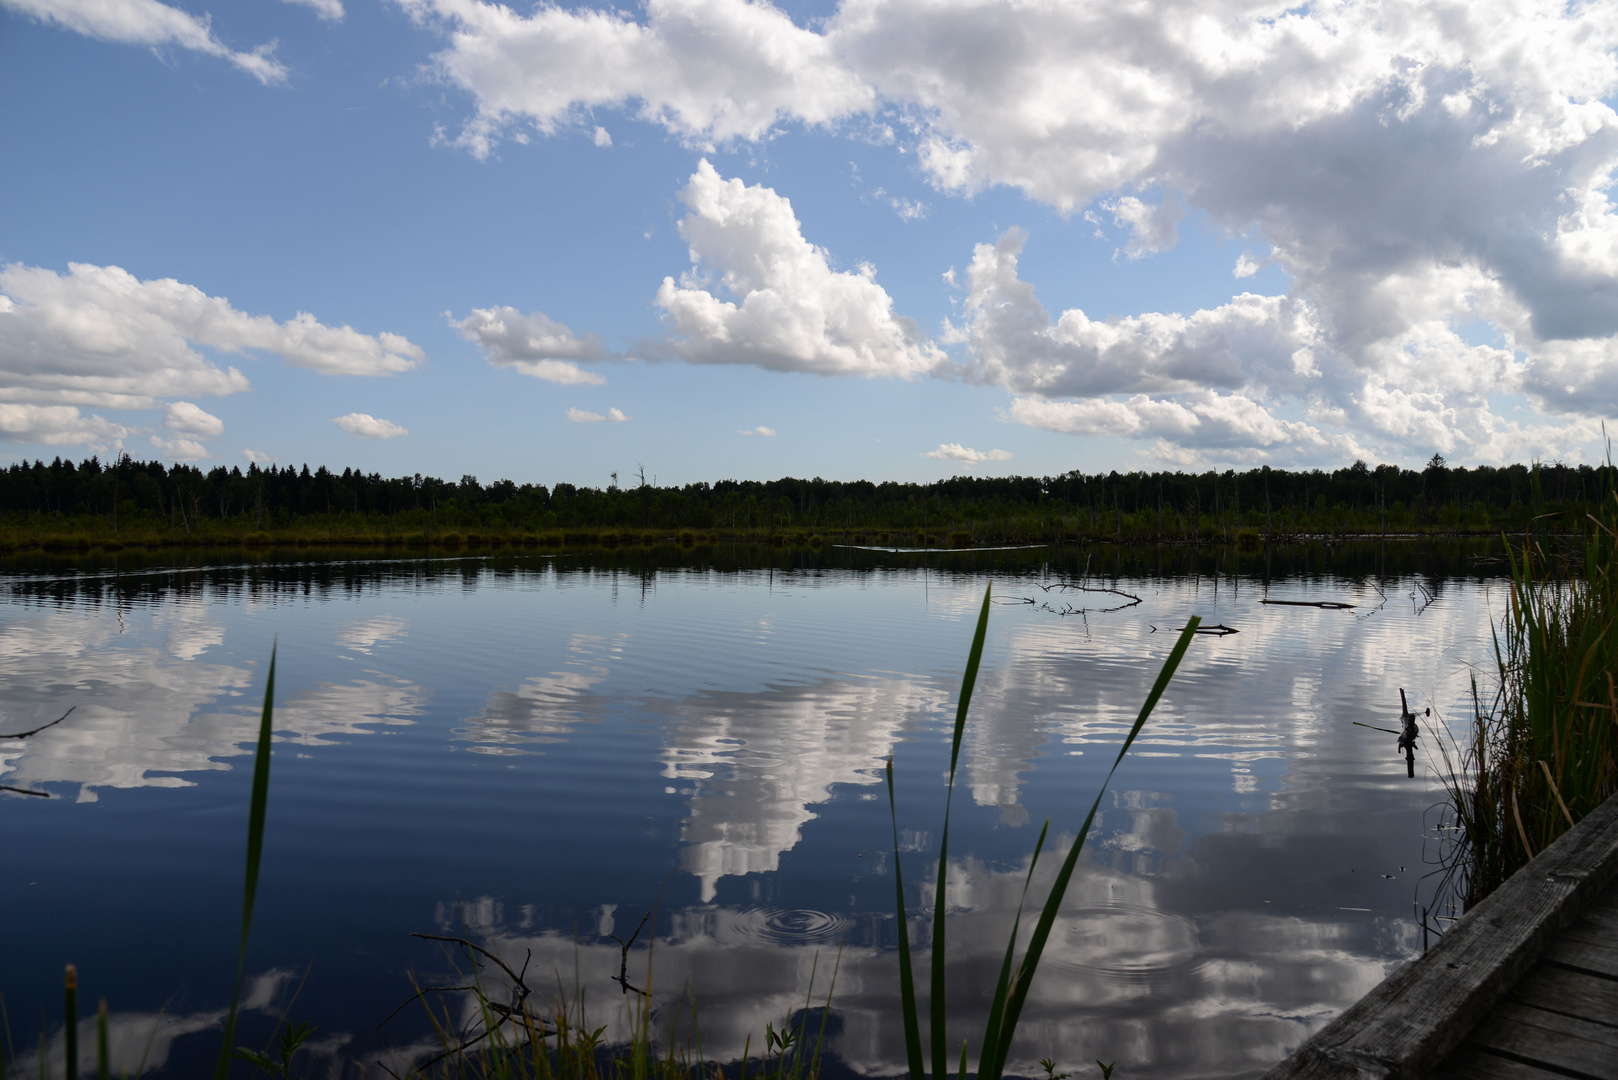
column 1331, row 605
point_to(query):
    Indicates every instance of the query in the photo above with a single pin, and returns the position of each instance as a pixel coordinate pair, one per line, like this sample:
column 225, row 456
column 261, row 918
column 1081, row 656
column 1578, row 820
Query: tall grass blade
column 7, row 1053
column 255, row 849
column 997, row 1003
column 938, row 1001
column 103, row 1066
column 70, row 1023
column 992, row 1059
column 907, row 977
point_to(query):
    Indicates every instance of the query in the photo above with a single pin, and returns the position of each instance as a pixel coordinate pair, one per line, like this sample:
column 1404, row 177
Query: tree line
column 179, row 497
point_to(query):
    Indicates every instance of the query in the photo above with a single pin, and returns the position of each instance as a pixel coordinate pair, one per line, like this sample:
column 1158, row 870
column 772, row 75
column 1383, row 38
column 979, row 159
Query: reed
column 1545, row 752
column 1011, row 989
column 258, row 804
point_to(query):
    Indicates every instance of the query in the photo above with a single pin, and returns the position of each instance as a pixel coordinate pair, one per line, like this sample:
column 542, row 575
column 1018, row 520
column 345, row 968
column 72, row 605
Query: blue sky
column 901, row 238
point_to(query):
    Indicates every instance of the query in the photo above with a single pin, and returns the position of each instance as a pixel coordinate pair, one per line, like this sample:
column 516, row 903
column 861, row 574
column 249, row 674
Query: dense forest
column 133, row 502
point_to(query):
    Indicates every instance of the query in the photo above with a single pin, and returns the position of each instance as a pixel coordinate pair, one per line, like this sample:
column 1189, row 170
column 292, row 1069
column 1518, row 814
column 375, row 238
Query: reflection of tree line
column 299, row 573
column 145, row 502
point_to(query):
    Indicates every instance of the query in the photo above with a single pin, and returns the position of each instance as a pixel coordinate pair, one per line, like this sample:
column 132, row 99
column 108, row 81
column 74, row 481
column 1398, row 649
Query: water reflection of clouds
column 364, row 635
column 546, row 707
column 138, row 717
column 141, row 1042
column 1125, row 978
column 192, row 630
column 753, row 764
column 133, row 1038
column 132, row 708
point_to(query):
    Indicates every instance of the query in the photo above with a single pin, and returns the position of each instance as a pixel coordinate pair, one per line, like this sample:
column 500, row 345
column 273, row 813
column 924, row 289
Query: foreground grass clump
column 1546, row 754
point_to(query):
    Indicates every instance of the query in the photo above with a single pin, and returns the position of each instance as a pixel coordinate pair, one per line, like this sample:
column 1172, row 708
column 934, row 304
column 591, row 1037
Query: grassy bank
column 1544, row 752
column 69, row 534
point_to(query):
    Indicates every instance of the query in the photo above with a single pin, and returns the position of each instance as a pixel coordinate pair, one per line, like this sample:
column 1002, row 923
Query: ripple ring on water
column 792, row 927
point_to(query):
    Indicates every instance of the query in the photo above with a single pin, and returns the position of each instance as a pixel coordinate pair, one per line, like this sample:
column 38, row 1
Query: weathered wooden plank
column 1585, row 952
column 1602, row 917
column 1572, row 992
column 1405, row 1027
column 1470, row 1063
column 1550, row 1039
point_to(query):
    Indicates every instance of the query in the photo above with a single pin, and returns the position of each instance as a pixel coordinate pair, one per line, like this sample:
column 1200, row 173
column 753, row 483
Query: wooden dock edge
column 1405, row 1027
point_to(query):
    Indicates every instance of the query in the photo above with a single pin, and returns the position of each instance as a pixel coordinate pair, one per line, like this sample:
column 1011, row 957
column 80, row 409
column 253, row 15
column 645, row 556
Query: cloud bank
column 99, row 336
column 1433, row 178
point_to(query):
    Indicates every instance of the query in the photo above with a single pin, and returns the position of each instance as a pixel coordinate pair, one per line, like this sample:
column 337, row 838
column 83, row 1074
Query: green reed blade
column 992, row 1059
column 70, row 1022
column 968, row 681
column 103, row 1069
column 907, row 978
column 255, row 849
column 938, row 1001
column 997, row 1003
column 8, row 1053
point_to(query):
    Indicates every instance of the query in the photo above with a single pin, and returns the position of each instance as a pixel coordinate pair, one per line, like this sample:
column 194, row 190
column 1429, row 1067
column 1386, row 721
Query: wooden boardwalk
column 1522, row 987
column 1562, row 1019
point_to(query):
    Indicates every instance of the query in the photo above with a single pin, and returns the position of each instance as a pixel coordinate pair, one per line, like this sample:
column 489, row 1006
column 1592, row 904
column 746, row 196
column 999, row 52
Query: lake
column 535, row 750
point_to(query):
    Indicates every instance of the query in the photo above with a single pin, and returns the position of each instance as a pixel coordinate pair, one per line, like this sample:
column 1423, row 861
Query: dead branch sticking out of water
column 517, row 1013
column 42, row 727
column 622, row 978
column 24, row 735
column 1065, row 608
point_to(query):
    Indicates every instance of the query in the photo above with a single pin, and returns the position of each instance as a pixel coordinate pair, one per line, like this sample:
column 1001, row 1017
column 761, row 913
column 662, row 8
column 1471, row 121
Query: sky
column 874, row 239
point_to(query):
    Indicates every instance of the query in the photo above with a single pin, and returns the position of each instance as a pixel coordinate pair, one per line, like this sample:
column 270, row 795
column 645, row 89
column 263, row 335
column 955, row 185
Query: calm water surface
column 536, row 750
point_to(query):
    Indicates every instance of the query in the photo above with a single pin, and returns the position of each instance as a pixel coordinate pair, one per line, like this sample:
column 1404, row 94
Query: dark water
column 536, row 750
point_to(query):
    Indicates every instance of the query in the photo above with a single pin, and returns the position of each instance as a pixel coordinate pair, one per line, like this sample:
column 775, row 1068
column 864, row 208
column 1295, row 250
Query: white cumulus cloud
column 181, row 448
column 533, row 344
column 99, row 336
column 705, row 69
column 329, row 10
column 56, row 425
column 1153, row 227
column 768, row 432
column 790, row 311
column 1253, row 339
column 965, row 454
column 148, row 22
column 188, row 419
column 584, row 416
column 366, row 426
column 1269, row 378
